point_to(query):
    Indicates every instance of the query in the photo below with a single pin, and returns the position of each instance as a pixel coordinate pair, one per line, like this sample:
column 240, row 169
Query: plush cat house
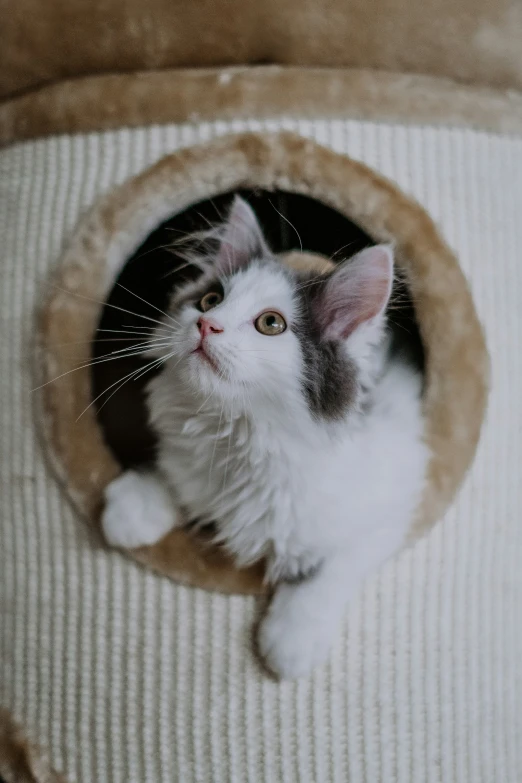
column 120, row 126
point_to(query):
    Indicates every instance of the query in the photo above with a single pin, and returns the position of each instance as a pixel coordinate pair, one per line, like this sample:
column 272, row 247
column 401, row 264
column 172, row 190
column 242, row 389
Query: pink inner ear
column 242, row 238
column 357, row 292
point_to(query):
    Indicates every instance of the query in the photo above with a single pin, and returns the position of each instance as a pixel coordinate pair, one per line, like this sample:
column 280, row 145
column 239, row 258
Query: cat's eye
column 210, row 300
column 270, row 323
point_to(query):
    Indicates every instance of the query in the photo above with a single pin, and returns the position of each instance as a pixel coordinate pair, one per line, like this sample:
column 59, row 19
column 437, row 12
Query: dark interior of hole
column 290, row 222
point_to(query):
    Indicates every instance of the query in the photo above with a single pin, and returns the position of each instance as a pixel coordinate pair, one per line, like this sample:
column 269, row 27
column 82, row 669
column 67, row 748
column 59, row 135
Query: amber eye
column 270, row 323
column 210, row 300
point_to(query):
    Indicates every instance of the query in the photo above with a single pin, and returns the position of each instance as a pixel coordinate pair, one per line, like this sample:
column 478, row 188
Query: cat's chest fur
column 253, row 478
column 281, row 486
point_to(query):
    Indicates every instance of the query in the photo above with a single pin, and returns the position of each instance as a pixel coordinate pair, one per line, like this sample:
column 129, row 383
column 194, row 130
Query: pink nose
column 207, row 326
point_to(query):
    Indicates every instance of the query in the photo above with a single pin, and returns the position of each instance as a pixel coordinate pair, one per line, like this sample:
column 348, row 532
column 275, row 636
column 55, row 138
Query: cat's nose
column 207, row 326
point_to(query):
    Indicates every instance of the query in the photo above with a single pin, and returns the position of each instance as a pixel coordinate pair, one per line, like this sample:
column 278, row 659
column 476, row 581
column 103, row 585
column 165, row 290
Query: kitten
column 282, row 417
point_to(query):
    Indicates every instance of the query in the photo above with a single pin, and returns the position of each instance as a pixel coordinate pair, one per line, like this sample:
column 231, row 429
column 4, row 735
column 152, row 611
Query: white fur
column 240, row 446
column 138, row 510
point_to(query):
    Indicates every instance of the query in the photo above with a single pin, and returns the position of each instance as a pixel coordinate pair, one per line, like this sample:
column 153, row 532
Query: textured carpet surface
column 128, row 678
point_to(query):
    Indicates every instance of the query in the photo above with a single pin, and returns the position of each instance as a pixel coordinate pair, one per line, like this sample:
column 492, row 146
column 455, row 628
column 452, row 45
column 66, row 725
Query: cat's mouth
column 200, row 351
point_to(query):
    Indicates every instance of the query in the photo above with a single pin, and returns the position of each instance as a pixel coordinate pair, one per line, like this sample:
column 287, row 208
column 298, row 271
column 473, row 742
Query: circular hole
column 290, row 222
column 89, row 447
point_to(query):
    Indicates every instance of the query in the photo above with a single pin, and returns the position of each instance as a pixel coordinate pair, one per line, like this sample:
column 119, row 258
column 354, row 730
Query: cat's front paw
column 291, row 640
column 138, row 511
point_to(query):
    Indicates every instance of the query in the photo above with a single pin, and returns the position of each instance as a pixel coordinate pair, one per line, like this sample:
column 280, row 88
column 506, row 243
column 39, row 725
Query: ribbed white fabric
column 128, row 678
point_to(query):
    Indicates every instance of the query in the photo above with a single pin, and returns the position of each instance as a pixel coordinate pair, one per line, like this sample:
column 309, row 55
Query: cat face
column 251, row 330
column 236, row 334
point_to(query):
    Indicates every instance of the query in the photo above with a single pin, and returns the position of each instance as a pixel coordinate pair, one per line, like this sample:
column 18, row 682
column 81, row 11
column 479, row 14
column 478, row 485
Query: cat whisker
column 119, row 381
column 153, row 331
column 158, row 362
column 289, row 223
column 209, row 223
column 204, row 403
column 146, row 331
column 200, row 262
column 122, row 381
column 146, row 328
column 184, row 247
column 175, row 231
column 142, row 345
column 137, row 336
column 153, row 249
column 98, row 340
column 340, row 250
column 149, row 304
column 401, row 326
column 107, row 304
column 108, row 358
column 178, row 269
column 199, row 237
column 312, row 282
column 116, row 355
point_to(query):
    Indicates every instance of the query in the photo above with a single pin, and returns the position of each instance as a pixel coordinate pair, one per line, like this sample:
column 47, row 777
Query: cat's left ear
column 242, row 238
column 355, row 293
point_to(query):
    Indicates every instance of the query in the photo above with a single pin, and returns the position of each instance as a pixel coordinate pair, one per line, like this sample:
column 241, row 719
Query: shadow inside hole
column 290, row 221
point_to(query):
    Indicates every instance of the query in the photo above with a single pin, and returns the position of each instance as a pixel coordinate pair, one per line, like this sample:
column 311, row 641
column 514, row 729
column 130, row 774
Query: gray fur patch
column 330, row 379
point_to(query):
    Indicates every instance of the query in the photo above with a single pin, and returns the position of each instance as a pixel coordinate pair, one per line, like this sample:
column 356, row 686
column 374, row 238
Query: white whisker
column 108, row 358
column 133, row 293
column 204, row 403
column 182, row 266
column 152, row 249
column 107, row 304
column 158, row 362
column 289, row 223
column 340, row 250
column 310, row 283
column 143, row 345
column 150, row 330
column 99, row 340
column 119, row 381
column 135, row 374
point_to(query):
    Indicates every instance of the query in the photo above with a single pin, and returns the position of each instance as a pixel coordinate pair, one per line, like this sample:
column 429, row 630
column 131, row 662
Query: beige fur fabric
column 473, row 41
column 20, row 760
column 457, row 366
column 131, row 100
column 125, row 676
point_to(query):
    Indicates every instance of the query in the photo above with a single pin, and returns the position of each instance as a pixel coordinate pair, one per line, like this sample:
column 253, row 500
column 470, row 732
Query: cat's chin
column 204, row 373
column 204, row 359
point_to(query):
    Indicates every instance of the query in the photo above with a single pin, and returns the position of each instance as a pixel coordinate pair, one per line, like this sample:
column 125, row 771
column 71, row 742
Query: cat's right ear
column 242, row 238
column 356, row 293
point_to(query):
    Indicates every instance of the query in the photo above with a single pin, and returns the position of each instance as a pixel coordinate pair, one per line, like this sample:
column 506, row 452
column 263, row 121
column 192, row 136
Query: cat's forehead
column 260, row 281
column 261, row 284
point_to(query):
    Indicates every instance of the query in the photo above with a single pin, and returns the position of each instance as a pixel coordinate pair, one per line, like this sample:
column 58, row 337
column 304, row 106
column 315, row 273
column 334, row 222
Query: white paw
column 292, row 641
column 138, row 511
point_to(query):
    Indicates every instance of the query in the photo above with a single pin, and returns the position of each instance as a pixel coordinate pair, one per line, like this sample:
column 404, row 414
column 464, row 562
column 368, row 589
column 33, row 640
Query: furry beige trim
column 474, row 41
column 20, row 760
column 116, row 100
column 457, row 361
